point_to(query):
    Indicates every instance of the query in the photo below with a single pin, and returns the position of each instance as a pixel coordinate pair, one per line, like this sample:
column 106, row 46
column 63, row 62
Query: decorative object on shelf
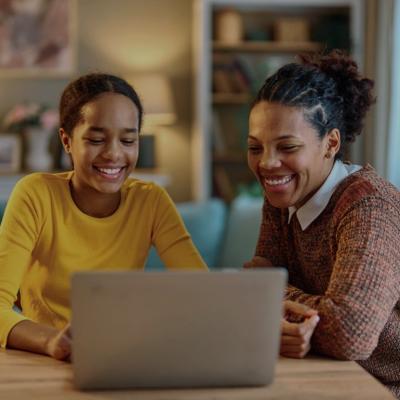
column 38, row 38
column 37, row 123
column 147, row 152
column 38, row 157
column 156, row 94
column 291, row 29
column 10, row 153
column 27, row 115
column 229, row 26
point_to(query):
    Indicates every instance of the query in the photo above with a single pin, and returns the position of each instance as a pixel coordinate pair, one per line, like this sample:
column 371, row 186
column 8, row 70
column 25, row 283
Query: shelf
column 233, row 158
column 231, row 98
column 268, row 47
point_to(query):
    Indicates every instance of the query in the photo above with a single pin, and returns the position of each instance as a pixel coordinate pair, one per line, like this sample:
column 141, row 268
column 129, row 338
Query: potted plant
column 37, row 123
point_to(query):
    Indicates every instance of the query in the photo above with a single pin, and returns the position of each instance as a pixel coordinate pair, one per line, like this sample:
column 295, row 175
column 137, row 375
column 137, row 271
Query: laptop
column 176, row 329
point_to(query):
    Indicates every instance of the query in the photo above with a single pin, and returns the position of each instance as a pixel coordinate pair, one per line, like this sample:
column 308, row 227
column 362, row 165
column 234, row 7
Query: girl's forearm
column 31, row 336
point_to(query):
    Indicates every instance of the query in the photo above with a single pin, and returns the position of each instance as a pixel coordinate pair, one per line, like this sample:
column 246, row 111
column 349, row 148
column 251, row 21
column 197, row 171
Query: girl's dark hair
column 329, row 89
column 85, row 89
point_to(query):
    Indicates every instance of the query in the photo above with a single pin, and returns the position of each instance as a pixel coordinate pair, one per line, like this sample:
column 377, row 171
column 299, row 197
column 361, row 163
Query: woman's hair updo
column 85, row 89
column 329, row 89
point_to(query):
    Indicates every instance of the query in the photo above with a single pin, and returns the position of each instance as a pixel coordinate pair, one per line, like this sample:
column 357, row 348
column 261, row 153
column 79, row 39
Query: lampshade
column 156, row 94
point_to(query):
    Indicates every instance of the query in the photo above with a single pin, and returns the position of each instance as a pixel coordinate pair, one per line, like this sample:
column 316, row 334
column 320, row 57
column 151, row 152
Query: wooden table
column 30, row 376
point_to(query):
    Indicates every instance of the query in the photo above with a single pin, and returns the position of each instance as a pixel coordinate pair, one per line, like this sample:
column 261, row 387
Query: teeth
column 280, row 181
column 110, row 171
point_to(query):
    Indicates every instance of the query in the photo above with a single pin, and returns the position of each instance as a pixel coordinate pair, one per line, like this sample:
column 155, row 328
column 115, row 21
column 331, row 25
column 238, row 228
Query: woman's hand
column 257, row 261
column 59, row 346
column 297, row 327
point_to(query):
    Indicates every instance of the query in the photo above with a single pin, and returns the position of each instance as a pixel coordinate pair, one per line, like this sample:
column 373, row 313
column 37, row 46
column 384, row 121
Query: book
column 223, row 184
column 218, row 140
column 229, row 76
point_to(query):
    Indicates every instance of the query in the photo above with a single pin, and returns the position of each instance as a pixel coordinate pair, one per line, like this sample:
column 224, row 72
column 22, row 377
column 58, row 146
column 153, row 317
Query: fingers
column 292, row 340
column 257, row 261
column 60, row 345
column 293, row 329
column 295, row 353
column 296, row 337
column 294, row 347
column 300, row 309
column 311, row 322
column 68, row 331
column 63, row 347
column 299, row 329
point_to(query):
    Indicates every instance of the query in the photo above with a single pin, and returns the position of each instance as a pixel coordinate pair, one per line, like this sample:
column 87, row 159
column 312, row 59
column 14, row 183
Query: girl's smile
column 104, row 151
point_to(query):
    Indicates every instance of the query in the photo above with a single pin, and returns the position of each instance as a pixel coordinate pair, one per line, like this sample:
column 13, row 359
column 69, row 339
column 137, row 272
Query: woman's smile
column 274, row 182
column 286, row 154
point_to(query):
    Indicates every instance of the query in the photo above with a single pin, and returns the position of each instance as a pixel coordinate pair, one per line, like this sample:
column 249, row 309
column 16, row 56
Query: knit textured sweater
column 346, row 265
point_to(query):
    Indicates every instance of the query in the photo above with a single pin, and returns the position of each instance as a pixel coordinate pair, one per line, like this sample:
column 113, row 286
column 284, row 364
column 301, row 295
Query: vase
column 229, row 26
column 38, row 157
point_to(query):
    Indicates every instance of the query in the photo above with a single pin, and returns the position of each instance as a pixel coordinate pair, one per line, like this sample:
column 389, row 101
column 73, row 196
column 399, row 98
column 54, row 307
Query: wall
column 122, row 37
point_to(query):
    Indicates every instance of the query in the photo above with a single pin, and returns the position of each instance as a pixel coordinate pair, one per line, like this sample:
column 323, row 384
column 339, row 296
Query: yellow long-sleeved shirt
column 44, row 238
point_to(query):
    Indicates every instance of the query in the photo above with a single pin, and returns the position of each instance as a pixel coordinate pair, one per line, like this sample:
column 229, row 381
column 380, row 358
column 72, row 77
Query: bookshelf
column 232, row 58
column 267, row 47
column 231, row 98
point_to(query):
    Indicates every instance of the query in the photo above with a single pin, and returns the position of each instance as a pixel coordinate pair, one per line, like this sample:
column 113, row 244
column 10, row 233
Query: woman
column 334, row 226
column 94, row 217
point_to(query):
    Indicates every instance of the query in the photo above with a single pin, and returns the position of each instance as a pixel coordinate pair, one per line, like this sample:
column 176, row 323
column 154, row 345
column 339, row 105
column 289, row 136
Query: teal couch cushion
column 243, row 226
column 205, row 222
column 2, row 208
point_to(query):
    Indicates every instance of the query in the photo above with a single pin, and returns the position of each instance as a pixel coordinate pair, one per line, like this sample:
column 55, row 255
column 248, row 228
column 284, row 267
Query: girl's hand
column 296, row 336
column 59, row 345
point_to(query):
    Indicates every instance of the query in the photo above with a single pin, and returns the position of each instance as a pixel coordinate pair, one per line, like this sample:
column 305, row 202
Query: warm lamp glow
column 156, row 94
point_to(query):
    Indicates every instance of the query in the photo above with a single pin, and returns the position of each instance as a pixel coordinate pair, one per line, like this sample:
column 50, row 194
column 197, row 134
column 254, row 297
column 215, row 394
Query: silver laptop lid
column 176, row 329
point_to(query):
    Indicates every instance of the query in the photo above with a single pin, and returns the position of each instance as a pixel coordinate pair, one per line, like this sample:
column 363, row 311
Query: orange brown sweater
column 346, row 264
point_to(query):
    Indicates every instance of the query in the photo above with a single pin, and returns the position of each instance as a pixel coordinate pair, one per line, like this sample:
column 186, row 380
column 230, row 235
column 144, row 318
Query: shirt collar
column 309, row 211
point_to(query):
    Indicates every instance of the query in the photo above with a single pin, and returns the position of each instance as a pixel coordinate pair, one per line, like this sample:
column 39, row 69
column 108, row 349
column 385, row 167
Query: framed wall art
column 37, row 38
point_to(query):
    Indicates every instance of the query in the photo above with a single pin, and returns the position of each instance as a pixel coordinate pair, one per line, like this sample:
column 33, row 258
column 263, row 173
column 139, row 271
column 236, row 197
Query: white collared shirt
column 309, row 211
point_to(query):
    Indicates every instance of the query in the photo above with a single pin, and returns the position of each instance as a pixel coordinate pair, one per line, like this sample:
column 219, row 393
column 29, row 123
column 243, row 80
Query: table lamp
column 155, row 93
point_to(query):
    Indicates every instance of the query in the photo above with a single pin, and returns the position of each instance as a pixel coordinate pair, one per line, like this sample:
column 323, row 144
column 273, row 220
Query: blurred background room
column 197, row 65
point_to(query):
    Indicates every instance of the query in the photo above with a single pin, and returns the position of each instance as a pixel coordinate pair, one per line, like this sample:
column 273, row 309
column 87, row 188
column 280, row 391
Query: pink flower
column 49, row 119
column 16, row 115
column 28, row 115
column 33, row 109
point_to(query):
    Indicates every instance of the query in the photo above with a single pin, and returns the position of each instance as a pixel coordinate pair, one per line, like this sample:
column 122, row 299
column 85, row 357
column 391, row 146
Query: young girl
column 335, row 226
column 94, row 217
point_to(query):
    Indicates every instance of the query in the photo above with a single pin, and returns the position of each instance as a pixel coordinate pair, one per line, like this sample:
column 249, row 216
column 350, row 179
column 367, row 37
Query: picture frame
column 38, row 38
column 10, row 153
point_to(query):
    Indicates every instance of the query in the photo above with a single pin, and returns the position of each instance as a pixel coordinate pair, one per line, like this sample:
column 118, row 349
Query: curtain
column 393, row 164
column 382, row 59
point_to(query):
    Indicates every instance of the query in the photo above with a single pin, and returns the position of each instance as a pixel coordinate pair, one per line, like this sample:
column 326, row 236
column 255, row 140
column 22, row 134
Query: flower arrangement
column 23, row 116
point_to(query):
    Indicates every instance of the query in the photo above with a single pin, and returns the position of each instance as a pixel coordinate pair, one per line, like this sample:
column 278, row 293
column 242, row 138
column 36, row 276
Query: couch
column 225, row 236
